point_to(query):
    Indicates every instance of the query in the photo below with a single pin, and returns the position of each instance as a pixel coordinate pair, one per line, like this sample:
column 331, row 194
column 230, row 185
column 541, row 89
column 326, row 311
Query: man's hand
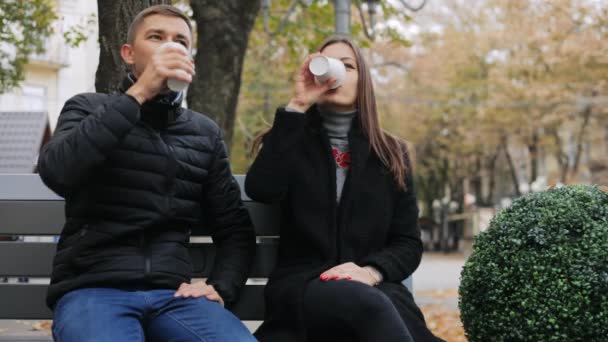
column 168, row 62
column 197, row 290
column 350, row 271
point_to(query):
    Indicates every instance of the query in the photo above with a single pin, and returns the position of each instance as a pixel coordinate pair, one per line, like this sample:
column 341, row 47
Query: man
column 137, row 172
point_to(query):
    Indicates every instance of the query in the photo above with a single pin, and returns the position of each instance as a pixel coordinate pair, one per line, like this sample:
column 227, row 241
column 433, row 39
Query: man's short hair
column 166, row 10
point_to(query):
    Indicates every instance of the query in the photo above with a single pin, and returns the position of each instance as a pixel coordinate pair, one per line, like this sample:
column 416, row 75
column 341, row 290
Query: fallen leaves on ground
column 439, row 294
column 444, row 322
column 42, row 325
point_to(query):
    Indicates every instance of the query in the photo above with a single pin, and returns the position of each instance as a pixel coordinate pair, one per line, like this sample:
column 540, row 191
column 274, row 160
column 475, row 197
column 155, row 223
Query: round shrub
column 540, row 270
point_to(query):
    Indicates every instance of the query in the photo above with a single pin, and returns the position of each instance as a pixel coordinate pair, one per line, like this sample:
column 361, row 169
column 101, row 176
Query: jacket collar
column 162, row 110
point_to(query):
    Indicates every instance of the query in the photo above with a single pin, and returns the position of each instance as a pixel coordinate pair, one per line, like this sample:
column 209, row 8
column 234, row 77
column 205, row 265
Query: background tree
column 496, row 94
column 114, row 20
column 223, row 35
column 24, row 28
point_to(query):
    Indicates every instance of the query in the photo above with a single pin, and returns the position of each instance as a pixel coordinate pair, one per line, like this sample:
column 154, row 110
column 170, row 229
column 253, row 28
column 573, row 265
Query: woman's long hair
column 391, row 151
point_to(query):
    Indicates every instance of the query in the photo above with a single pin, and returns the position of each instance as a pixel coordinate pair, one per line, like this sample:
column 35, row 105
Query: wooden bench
column 29, row 208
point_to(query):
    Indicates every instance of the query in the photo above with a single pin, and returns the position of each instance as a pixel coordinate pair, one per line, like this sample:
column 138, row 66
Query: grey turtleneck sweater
column 337, row 125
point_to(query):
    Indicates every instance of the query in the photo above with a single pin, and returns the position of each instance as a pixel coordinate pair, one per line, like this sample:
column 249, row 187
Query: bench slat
column 31, row 217
column 28, row 302
column 35, row 259
column 29, row 186
column 47, row 218
column 26, row 338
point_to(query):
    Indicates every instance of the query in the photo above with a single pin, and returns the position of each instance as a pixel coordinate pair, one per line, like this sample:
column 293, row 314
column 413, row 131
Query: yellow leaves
column 42, row 325
column 439, row 294
column 444, row 322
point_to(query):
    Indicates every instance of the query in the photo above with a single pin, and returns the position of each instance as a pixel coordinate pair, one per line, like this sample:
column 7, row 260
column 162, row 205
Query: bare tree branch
column 413, row 8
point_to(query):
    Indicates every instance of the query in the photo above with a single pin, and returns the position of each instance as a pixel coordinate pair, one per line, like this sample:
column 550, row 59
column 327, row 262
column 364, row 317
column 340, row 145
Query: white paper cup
column 324, row 68
column 173, row 83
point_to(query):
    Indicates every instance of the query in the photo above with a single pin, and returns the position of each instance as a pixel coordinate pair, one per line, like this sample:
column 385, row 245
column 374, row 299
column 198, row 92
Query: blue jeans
column 113, row 315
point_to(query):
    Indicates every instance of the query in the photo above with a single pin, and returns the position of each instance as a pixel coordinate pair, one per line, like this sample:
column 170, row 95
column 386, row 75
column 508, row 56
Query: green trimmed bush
column 540, row 270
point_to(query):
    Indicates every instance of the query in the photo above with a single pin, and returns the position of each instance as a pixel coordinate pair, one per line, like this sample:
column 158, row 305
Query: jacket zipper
column 144, row 249
column 172, row 174
column 147, row 264
column 171, row 155
column 168, row 198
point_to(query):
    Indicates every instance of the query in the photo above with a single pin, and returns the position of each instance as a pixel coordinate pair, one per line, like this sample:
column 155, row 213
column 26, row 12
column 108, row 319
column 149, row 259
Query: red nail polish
column 336, row 277
column 349, row 278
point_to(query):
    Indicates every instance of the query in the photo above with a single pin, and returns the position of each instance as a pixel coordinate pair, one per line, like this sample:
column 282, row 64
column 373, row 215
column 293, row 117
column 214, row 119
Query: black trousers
column 346, row 310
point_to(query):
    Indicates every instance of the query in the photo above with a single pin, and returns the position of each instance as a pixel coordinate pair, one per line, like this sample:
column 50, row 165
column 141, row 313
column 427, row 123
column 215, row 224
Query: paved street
column 436, row 280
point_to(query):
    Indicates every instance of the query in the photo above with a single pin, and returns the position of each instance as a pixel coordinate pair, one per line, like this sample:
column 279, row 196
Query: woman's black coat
column 374, row 224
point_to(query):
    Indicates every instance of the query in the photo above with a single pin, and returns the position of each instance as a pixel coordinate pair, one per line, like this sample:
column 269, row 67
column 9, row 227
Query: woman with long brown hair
column 349, row 232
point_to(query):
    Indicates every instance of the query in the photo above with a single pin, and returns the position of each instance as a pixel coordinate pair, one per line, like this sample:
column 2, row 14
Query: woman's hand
column 197, row 290
column 306, row 90
column 351, row 271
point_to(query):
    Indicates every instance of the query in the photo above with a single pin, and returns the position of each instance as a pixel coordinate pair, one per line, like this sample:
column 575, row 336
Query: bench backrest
column 29, row 208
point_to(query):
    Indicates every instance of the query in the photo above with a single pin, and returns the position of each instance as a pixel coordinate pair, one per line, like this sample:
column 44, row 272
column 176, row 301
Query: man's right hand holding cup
column 170, row 61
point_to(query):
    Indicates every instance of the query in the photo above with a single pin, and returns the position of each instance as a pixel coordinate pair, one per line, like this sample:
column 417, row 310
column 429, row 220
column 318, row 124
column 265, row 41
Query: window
column 27, row 98
column 34, row 98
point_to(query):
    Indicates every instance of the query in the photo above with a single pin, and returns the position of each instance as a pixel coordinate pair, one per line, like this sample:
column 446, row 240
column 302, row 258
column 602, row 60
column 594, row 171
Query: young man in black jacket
column 137, row 172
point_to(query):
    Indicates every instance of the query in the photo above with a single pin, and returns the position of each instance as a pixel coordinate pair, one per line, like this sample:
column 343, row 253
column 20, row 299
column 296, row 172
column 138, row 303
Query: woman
column 349, row 215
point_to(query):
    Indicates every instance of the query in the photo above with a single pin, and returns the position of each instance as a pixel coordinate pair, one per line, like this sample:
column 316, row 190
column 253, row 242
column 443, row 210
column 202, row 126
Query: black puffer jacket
column 135, row 180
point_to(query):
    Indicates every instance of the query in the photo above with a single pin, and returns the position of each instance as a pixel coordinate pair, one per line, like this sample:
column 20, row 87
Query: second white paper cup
column 323, row 68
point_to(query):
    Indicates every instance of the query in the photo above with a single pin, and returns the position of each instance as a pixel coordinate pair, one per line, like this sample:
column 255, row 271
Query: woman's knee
column 335, row 298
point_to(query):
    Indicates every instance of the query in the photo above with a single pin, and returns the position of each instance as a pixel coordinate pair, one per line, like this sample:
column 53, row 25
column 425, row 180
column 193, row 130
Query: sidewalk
column 437, row 278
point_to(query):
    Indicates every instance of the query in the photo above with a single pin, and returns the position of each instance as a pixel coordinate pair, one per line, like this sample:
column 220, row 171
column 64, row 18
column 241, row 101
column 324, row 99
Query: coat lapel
column 360, row 151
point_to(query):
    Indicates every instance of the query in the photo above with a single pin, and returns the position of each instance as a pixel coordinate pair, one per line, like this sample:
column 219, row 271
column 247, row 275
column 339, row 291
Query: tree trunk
column 114, row 20
column 562, row 158
column 223, row 33
column 533, row 153
column 476, row 180
column 579, row 140
column 512, row 169
column 492, row 173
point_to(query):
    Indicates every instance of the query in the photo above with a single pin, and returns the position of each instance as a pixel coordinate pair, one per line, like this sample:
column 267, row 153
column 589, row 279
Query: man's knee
column 83, row 313
column 77, row 305
column 183, row 319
